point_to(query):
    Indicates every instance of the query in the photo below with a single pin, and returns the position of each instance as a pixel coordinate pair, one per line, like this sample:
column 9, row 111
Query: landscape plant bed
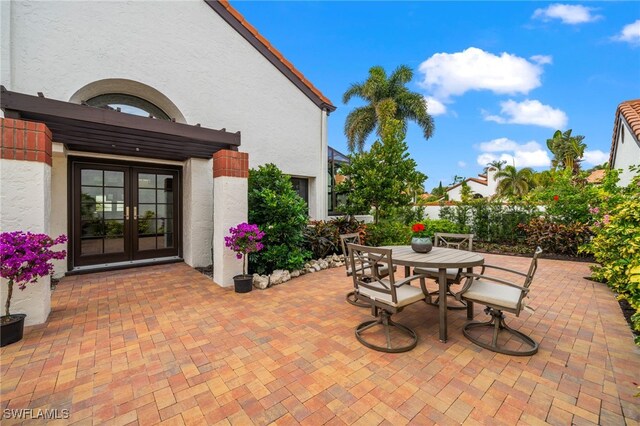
column 525, row 250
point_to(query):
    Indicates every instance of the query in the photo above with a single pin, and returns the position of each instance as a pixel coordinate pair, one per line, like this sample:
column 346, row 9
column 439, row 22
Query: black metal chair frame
column 497, row 321
column 448, row 240
column 344, row 240
column 368, row 278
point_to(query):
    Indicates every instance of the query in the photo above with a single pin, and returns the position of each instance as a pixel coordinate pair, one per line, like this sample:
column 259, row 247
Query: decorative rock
column 323, row 264
column 279, row 276
column 260, row 281
column 295, row 274
column 311, row 270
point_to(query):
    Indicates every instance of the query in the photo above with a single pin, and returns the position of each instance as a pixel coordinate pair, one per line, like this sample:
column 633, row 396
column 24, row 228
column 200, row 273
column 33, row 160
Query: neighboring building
column 78, row 159
column 625, row 144
column 485, row 185
column 596, row 176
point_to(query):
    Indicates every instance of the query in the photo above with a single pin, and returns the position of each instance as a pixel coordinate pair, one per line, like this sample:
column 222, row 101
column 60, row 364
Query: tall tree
column 495, row 163
column 513, row 182
column 378, row 88
column 378, row 179
column 567, row 150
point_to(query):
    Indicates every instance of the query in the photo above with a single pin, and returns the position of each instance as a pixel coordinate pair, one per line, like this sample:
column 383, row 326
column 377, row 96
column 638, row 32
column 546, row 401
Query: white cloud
column 571, row 14
column 595, row 157
column 529, row 154
column 462, row 164
column 630, row 33
column 434, row 106
column 529, row 112
column 542, row 59
column 453, row 74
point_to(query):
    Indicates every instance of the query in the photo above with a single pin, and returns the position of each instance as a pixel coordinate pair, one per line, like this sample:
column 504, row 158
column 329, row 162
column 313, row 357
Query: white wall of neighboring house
column 183, row 57
column 488, row 190
column 627, row 152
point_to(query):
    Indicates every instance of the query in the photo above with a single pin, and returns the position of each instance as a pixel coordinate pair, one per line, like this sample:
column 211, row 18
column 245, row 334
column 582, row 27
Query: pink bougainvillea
column 244, row 239
column 24, row 257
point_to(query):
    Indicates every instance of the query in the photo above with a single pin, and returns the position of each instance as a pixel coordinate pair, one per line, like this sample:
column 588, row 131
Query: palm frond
column 356, row 89
column 358, row 126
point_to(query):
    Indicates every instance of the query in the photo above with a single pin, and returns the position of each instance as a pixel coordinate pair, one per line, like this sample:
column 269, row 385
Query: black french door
column 123, row 213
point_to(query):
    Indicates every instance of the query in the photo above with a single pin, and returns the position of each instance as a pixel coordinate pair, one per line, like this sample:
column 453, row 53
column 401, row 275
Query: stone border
column 280, row 276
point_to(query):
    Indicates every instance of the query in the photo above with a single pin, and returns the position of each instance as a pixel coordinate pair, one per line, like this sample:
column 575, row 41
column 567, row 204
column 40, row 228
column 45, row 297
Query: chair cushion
column 452, row 273
column 493, row 293
column 406, row 294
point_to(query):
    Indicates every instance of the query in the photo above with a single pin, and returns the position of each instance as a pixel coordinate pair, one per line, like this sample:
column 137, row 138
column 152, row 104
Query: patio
column 164, row 344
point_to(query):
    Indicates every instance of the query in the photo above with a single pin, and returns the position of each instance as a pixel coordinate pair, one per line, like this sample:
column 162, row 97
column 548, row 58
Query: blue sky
column 500, row 77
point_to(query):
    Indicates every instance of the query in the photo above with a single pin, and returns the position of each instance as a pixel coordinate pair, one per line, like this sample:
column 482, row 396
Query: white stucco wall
column 25, row 205
column 59, row 200
column 197, row 211
column 234, row 191
column 627, row 153
column 183, row 50
column 487, row 190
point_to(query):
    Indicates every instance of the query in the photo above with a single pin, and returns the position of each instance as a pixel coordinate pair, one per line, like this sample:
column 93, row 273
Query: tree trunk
column 8, row 304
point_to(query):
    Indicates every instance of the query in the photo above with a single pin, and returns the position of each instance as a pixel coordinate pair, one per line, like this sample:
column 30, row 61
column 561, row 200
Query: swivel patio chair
column 454, row 276
column 499, row 295
column 383, row 270
column 386, row 297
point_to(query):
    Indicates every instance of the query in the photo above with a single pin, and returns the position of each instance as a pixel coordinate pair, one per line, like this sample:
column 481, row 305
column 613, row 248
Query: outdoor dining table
column 438, row 258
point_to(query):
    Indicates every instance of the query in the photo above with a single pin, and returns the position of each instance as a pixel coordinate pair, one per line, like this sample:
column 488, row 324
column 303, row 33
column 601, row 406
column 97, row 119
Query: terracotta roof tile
column 238, row 16
column 630, row 110
column 596, row 176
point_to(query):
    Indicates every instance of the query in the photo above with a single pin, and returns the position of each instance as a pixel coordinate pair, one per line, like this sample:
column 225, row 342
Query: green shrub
column 322, row 238
column 616, row 247
column 282, row 215
column 556, row 237
column 387, row 233
column 432, row 226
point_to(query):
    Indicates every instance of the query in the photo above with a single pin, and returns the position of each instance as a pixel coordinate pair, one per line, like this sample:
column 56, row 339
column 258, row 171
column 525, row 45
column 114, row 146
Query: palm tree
column 495, row 163
column 513, row 182
column 567, row 150
column 378, row 88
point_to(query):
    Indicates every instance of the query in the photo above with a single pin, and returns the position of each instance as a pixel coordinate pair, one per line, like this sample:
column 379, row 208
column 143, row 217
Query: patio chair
column 383, row 270
column 454, row 276
column 499, row 295
column 386, row 297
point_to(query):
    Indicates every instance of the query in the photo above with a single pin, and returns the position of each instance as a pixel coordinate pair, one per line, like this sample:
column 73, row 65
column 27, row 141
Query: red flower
column 556, row 198
column 418, row 227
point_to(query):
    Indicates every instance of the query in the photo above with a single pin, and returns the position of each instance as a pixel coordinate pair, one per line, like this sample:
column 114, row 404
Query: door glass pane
column 146, row 226
column 92, row 228
column 164, row 225
column 146, row 196
column 147, row 211
column 147, row 243
column 165, row 241
column 165, row 211
column 93, row 246
column 146, row 180
column 91, row 177
column 88, row 212
column 114, row 211
column 114, row 179
column 165, row 182
column 114, row 195
column 114, row 245
column 165, row 196
column 91, row 194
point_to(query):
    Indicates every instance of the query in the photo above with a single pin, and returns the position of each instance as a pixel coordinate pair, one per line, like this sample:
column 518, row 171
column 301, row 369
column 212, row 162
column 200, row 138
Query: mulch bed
column 525, row 250
column 206, row 270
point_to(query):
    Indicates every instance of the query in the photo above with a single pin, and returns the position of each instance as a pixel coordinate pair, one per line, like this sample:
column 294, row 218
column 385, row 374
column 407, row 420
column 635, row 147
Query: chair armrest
column 502, row 269
column 408, row 280
column 489, row 279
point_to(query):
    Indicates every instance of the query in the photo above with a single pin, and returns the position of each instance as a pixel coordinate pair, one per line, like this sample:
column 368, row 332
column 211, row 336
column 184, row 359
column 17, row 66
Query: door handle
column 135, row 213
column 126, row 213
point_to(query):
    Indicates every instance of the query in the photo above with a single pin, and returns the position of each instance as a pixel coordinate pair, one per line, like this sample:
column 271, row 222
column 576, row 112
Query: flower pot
column 11, row 328
column 243, row 283
column 421, row 245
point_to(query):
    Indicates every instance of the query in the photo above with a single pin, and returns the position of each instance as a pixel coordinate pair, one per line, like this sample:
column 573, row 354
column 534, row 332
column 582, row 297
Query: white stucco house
column 484, row 185
column 131, row 126
column 625, row 144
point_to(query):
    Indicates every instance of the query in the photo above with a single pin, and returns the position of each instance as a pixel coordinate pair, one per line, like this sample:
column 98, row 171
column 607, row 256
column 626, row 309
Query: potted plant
column 244, row 239
column 24, row 257
column 420, row 241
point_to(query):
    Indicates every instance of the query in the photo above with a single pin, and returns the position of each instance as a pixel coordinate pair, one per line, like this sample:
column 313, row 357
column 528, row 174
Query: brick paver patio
column 165, row 344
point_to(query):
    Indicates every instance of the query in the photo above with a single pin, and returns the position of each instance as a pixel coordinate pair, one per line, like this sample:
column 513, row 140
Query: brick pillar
column 25, row 202
column 230, row 187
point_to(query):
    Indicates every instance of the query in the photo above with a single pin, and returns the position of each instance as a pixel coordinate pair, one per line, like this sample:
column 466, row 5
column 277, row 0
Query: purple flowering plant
column 244, row 239
column 24, row 257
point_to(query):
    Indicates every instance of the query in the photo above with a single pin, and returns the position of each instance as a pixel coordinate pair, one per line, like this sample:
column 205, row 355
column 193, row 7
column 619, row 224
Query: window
column 336, row 159
column 128, row 104
column 301, row 186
